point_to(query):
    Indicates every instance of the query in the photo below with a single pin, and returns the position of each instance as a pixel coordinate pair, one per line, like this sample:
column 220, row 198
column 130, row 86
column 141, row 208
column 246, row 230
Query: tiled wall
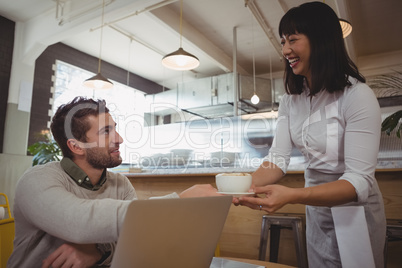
column 6, row 51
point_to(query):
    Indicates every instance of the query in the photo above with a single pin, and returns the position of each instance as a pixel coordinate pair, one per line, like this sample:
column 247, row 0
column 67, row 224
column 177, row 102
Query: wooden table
column 257, row 262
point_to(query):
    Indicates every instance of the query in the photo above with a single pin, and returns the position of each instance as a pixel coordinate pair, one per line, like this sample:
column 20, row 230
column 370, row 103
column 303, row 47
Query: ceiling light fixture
column 99, row 81
column 346, row 27
column 254, row 99
column 180, row 60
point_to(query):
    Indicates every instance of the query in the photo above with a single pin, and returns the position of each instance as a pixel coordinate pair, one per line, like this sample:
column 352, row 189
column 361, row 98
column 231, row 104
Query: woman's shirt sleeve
column 281, row 148
column 362, row 138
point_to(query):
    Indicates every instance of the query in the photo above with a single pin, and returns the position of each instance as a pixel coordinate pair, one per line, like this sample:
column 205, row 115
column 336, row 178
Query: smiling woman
column 333, row 118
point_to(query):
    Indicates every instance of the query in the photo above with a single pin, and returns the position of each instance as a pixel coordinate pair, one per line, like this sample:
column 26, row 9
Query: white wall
column 11, row 169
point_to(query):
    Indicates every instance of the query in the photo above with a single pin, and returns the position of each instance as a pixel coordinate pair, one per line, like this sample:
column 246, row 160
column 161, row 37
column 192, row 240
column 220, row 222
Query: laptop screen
column 180, row 232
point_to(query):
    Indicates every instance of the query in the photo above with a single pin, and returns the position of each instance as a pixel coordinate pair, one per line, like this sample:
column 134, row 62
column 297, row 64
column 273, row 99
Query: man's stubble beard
column 98, row 159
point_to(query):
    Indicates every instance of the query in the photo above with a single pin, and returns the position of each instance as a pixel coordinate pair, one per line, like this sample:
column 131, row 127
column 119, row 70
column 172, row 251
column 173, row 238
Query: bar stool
column 7, row 231
column 394, row 233
column 273, row 224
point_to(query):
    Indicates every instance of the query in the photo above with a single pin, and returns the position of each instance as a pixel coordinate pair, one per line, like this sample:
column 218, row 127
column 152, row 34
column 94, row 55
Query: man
column 69, row 213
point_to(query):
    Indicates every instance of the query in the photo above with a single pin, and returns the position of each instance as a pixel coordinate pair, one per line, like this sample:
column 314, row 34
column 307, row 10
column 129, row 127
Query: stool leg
column 299, row 244
column 274, row 242
column 386, row 251
column 263, row 239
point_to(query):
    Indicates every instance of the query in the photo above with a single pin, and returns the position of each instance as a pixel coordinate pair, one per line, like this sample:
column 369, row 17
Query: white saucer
column 236, row 194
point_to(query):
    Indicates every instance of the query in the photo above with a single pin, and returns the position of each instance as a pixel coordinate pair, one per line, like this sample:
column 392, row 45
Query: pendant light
column 254, row 99
column 180, row 59
column 99, row 81
column 346, row 27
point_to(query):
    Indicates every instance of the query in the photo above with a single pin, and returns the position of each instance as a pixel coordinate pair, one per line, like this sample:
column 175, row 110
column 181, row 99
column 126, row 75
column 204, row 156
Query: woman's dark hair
column 330, row 64
column 70, row 121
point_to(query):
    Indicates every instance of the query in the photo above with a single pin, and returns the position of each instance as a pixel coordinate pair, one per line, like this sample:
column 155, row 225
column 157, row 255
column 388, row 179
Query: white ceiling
column 137, row 33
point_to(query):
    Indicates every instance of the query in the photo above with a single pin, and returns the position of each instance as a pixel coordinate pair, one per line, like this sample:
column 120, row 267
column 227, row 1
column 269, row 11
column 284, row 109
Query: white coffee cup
column 233, row 182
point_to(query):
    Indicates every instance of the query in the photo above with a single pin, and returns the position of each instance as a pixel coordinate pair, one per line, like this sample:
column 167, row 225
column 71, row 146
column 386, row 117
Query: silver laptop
column 177, row 233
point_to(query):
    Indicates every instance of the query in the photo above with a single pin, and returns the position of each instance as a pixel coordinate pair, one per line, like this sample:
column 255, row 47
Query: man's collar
column 79, row 176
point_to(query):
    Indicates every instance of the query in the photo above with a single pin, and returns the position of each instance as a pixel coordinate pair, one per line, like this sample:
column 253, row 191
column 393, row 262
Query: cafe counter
column 296, row 165
column 241, row 235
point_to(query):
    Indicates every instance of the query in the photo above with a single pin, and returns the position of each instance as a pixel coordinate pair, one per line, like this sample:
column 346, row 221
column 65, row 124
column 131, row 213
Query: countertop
column 191, row 170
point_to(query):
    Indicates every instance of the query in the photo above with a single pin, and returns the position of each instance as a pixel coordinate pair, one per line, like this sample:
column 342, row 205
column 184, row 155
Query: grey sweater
column 51, row 209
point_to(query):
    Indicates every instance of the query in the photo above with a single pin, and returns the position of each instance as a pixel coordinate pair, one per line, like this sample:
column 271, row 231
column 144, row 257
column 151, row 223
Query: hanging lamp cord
column 252, row 31
column 128, row 63
column 272, row 85
column 181, row 19
column 101, row 37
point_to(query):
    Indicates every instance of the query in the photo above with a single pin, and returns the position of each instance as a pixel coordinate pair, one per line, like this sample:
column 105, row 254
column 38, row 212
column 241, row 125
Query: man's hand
column 73, row 255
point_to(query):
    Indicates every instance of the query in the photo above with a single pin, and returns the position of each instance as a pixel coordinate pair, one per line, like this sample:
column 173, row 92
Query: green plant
column 391, row 122
column 46, row 150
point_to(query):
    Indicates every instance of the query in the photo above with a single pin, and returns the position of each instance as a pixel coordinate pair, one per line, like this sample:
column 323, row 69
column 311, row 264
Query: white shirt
column 338, row 133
